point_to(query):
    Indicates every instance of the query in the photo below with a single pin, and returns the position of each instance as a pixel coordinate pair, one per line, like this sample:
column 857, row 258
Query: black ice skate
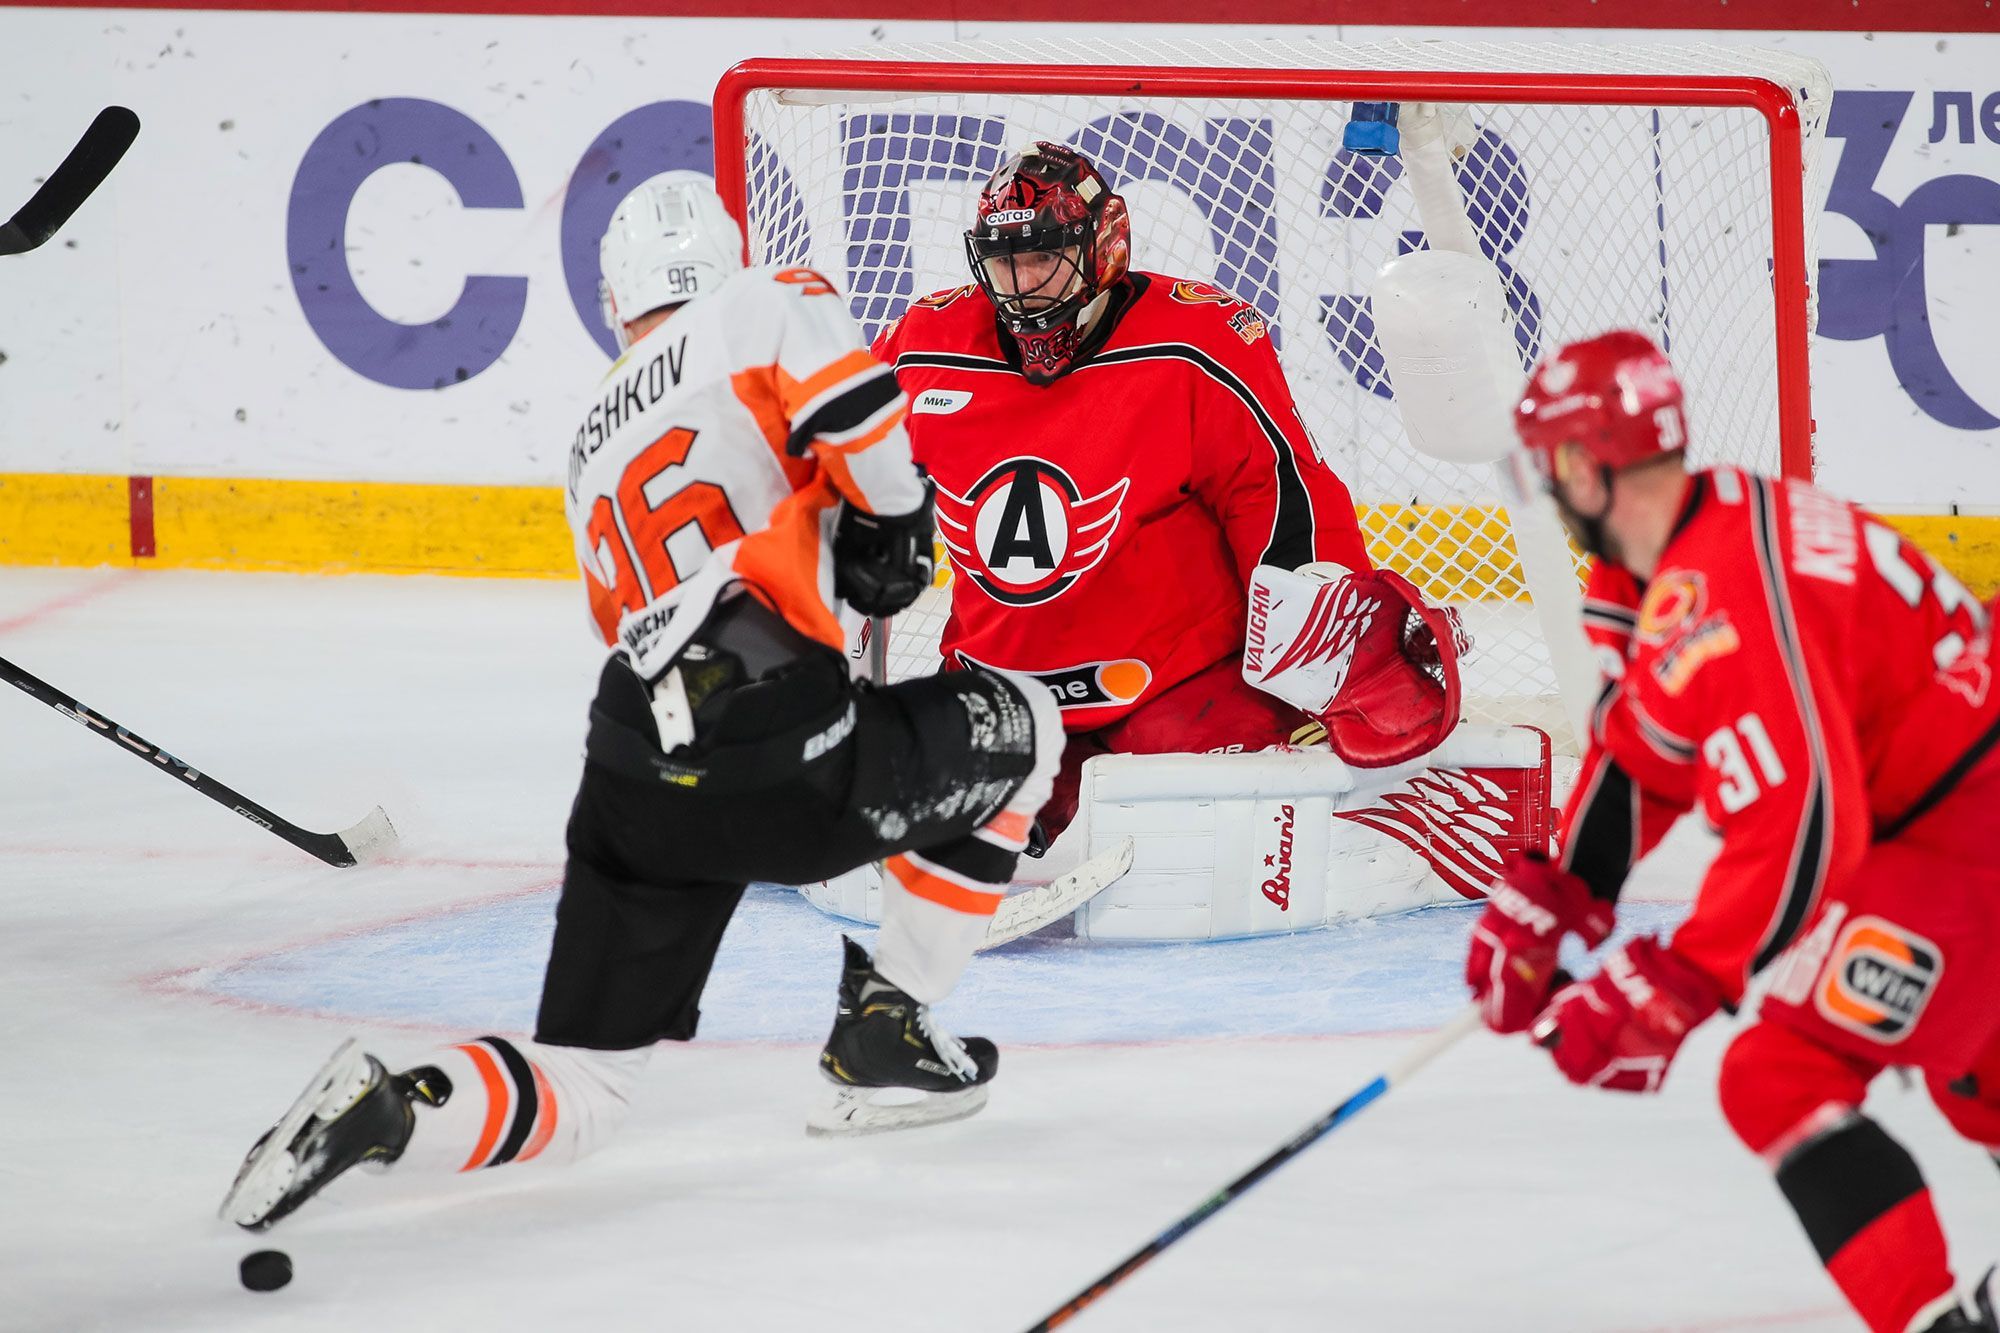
column 353, row 1111
column 893, row 1065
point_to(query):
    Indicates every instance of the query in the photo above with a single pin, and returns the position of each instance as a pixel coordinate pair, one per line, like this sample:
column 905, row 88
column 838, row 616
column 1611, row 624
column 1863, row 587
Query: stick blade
column 72, row 182
column 1025, row 913
column 371, row 839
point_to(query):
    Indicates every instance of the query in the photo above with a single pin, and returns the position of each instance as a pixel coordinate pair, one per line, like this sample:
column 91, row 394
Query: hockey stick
column 1418, row 1056
column 878, row 649
column 1027, row 912
column 71, row 183
column 374, row 836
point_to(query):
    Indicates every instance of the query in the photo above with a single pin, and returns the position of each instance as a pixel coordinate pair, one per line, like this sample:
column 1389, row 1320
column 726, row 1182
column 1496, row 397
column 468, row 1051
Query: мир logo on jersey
column 1025, row 532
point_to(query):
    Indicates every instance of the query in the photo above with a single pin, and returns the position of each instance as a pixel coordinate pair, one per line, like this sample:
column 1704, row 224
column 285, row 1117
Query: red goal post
column 1693, row 170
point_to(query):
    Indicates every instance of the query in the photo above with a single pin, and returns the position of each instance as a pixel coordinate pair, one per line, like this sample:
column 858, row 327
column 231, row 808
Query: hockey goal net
column 1672, row 190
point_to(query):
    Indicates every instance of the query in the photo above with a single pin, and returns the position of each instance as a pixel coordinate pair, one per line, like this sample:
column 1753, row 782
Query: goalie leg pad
column 1230, row 846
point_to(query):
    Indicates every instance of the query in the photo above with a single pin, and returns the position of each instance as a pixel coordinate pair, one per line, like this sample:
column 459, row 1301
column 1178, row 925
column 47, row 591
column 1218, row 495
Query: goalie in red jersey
column 1824, row 692
column 1114, row 453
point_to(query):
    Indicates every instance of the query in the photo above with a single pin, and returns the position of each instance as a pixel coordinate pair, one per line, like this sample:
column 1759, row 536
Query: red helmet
column 1615, row 394
column 1048, row 203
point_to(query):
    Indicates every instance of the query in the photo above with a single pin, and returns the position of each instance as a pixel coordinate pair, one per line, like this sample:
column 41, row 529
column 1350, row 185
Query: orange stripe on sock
column 496, row 1104
column 545, row 1129
column 1012, row 825
column 939, row 890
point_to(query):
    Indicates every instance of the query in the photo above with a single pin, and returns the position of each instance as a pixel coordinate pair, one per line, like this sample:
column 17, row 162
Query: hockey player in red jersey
column 741, row 474
column 1824, row 693
column 1114, row 452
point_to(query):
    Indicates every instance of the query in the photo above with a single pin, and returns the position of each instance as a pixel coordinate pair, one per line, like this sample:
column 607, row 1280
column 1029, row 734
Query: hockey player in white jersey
column 741, row 473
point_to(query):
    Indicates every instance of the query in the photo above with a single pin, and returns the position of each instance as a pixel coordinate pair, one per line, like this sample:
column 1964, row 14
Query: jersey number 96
column 630, row 532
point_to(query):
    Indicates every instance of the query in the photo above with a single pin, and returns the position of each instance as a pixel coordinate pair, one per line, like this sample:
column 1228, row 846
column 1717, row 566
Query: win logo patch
column 1878, row 979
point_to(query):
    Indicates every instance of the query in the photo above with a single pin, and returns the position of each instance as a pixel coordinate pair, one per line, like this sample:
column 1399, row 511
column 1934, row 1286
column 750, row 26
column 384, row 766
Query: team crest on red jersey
column 1025, row 532
column 1675, row 598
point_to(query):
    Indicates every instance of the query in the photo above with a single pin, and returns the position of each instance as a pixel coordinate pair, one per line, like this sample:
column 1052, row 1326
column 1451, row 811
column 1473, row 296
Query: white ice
column 169, row 974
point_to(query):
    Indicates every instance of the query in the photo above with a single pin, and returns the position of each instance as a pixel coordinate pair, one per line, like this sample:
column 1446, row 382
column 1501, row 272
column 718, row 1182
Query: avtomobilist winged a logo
column 1025, row 532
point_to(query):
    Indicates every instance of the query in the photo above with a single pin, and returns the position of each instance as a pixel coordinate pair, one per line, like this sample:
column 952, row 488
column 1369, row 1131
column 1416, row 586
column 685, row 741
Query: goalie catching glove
column 883, row 562
column 1361, row 653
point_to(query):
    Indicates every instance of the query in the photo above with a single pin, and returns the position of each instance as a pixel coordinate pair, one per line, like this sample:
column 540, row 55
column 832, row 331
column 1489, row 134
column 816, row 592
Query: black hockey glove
column 881, row 564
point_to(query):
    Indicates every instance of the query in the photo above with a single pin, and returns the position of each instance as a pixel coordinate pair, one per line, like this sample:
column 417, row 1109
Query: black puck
column 265, row 1270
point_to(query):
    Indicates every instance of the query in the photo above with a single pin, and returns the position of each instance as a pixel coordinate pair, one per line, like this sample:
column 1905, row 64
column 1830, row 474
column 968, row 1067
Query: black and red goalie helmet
column 1049, row 236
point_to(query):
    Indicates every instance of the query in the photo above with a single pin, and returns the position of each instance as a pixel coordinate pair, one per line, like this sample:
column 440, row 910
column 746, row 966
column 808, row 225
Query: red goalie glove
column 1360, row 652
column 1620, row 1029
column 1511, row 963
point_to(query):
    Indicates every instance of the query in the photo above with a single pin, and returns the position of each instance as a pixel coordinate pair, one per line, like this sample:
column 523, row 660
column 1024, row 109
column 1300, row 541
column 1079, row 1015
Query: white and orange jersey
column 716, row 453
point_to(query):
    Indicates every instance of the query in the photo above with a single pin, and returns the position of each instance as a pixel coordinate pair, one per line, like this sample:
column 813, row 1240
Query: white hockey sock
column 932, row 920
column 933, row 916
column 521, row 1101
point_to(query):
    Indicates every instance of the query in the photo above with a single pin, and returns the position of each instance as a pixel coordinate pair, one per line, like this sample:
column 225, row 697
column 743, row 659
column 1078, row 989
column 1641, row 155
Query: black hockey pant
column 817, row 775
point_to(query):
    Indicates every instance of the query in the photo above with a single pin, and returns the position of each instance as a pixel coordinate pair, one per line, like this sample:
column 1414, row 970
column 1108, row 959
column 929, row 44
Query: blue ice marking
column 480, row 970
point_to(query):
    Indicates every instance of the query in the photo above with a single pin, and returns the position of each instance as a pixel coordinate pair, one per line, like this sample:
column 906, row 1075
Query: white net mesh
column 1597, row 214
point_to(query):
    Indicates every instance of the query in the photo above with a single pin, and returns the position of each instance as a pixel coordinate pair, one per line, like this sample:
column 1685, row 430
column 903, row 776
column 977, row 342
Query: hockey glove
column 1511, row 964
column 1620, row 1029
column 1360, row 652
column 882, row 563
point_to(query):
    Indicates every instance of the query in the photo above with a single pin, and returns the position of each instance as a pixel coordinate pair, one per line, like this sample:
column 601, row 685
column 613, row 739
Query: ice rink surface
column 169, row 975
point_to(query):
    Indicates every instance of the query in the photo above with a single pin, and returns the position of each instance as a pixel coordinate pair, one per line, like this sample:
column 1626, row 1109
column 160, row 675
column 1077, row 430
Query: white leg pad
column 1230, row 846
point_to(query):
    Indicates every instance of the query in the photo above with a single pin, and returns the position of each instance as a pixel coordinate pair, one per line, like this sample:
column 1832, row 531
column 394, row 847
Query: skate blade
column 272, row 1165
column 855, row 1111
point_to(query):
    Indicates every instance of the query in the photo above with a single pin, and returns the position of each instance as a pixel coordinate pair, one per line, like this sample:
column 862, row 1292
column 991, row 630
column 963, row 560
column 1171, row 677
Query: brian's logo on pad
column 1278, row 888
column 1025, row 532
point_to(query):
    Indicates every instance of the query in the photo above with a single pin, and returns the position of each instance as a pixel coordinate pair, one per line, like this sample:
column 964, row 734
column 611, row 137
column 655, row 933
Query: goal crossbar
column 1791, row 285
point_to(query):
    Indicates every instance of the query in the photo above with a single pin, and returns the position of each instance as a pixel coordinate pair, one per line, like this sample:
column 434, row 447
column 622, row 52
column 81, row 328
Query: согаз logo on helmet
column 1025, row 532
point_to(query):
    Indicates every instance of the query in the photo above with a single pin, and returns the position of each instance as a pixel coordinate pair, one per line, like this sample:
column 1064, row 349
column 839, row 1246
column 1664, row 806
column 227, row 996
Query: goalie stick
column 1416, row 1058
column 372, row 837
column 71, row 183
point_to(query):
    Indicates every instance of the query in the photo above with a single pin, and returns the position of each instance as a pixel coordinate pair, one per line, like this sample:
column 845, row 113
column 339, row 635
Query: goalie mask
column 1049, row 239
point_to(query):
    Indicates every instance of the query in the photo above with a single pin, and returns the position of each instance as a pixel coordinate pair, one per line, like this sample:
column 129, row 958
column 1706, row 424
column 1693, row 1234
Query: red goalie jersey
column 1103, row 526
column 1802, row 672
